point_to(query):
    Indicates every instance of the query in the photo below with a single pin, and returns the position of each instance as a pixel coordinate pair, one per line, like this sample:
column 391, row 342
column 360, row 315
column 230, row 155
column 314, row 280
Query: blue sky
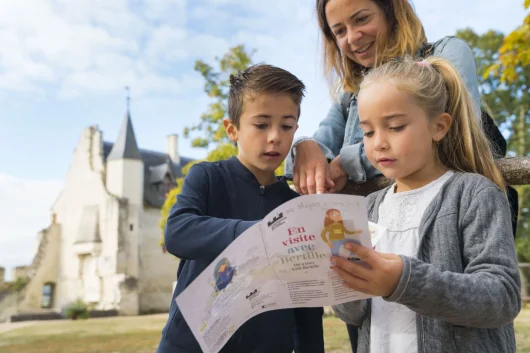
column 64, row 65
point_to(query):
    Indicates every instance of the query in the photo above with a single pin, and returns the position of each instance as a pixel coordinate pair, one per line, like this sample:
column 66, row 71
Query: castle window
column 47, row 295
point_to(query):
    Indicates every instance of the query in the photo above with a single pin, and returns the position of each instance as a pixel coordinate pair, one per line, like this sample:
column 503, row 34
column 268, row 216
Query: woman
column 359, row 34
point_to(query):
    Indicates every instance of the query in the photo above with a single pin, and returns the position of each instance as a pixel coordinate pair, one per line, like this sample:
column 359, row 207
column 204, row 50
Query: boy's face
column 266, row 130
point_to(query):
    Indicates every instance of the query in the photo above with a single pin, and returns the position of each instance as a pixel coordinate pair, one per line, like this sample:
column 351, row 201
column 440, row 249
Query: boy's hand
column 337, row 175
column 311, row 173
column 380, row 279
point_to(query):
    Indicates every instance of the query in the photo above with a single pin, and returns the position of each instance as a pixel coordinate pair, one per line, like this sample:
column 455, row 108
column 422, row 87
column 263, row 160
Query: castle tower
column 125, row 168
column 125, row 179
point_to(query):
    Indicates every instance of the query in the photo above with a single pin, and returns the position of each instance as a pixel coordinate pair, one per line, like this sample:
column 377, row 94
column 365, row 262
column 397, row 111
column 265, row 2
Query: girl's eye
column 287, row 127
column 368, row 134
column 261, row 126
column 397, row 128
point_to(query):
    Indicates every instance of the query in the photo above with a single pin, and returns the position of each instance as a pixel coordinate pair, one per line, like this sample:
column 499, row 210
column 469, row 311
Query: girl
column 334, row 230
column 454, row 287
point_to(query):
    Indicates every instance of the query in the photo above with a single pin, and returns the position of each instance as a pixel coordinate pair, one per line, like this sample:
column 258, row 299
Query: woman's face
column 357, row 25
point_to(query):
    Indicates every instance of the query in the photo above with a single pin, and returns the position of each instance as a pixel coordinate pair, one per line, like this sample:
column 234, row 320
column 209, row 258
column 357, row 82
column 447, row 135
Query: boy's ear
column 231, row 129
column 441, row 126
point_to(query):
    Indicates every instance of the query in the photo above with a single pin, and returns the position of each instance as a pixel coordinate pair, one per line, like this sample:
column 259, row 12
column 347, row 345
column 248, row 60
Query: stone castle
column 102, row 244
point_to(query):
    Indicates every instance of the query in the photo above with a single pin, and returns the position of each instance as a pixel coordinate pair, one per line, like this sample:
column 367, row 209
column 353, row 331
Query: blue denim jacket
column 340, row 135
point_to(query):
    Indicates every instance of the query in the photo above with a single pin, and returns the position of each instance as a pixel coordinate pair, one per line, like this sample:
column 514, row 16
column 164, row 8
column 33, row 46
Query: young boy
column 220, row 200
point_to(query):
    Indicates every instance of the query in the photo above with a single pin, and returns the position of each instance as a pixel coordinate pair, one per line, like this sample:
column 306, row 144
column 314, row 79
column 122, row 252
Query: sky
column 64, row 65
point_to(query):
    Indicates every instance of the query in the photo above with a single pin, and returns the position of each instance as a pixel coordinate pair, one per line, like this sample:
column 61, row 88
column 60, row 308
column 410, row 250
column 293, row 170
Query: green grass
column 141, row 334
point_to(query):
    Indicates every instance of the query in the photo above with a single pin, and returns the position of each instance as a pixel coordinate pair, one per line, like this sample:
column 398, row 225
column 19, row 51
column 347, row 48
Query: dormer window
column 167, row 184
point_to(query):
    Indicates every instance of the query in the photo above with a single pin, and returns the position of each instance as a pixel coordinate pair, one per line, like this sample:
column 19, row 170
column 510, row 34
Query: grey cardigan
column 464, row 283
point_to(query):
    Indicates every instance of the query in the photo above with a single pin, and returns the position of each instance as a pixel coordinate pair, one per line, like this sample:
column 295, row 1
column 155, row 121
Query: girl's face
column 399, row 136
column 357, row 26
column 335, row 216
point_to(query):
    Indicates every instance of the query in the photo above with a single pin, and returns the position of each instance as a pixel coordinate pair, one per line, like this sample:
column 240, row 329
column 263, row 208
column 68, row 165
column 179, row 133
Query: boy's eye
column 397, row 128
column 261, row 126
column 287, row 127
column 368, row 134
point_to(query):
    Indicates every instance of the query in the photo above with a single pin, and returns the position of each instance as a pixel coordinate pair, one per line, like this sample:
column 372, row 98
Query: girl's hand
column 311, row 169
column 380, row 279
column 337, row 175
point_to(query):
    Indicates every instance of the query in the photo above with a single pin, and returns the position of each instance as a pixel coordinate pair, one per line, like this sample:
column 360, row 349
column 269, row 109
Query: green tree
column 210, row 126
column 216, row 86
column 514, row 54
column 503, row 66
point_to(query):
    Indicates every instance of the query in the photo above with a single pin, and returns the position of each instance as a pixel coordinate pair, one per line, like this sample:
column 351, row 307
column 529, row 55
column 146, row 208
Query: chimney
column 173, row 148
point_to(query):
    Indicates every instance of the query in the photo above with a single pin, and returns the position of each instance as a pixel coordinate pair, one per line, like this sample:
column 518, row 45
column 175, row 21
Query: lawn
column 140, row 334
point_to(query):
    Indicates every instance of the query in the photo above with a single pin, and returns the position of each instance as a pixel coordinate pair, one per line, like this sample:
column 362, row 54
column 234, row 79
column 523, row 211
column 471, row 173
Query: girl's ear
column 231, row 130
column 441, row 126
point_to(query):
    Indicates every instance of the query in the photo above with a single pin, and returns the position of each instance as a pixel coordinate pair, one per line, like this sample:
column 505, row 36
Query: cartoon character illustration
column 223, row 274
column 334, row 230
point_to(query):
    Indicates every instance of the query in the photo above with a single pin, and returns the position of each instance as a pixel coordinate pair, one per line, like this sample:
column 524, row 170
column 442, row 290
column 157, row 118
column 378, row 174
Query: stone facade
column 102, row 245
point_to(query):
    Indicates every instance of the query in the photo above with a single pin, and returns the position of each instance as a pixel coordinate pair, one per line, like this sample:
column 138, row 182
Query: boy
column 220, row 200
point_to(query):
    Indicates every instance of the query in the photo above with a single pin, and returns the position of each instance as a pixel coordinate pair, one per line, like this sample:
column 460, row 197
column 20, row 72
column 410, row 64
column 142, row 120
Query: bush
column 76, row 310
column 20, row 283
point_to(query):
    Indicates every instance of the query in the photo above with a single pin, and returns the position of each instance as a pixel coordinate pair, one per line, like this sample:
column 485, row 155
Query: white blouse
column 393, row 326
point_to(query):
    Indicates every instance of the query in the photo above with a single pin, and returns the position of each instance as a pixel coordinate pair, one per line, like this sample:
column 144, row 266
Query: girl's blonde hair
column 438, row 88
column 406, row 36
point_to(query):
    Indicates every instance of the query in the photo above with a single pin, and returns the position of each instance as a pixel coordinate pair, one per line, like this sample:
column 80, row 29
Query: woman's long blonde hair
column 406, row 36
column 438, row 88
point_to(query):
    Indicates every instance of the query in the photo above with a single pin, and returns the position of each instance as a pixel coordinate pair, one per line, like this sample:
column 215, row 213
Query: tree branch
column 516, row 171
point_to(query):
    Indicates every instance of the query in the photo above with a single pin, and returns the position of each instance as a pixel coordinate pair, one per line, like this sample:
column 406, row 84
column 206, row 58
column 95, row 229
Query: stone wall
column 157, row 270
column 44, row 269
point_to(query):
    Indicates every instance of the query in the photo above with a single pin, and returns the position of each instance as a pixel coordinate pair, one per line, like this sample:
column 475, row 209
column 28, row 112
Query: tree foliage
column 216, row 86
column 210, row 126
column 503, row 65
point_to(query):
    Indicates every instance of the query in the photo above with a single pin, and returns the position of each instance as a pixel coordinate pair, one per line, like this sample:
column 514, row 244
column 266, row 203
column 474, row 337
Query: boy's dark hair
column 259, row 79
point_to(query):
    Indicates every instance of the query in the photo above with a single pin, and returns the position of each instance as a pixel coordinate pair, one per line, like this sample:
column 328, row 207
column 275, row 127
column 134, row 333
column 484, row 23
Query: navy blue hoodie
column 218, row 202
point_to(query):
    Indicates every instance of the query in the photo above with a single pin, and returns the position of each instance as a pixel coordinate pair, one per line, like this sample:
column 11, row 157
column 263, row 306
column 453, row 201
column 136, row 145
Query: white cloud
column 90, row 46
column 24, row 211
column 172, row 11
column 99, row 46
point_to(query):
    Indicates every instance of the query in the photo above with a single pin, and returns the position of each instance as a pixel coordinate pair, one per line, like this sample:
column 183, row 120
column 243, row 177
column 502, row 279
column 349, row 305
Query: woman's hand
column 311, row 173
column 379, row 279
column 338, row 175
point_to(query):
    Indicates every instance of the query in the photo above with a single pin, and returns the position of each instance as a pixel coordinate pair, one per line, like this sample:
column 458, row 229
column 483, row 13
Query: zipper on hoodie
column 261, row 201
